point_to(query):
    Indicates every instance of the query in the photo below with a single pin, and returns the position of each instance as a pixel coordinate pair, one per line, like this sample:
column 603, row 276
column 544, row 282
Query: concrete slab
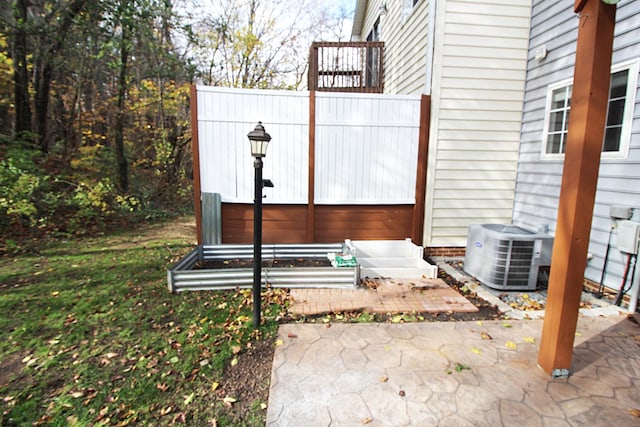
column 452, row 374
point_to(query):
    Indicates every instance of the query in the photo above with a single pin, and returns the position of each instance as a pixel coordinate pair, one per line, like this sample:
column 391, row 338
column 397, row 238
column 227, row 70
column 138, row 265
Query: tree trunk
column 20, row 73
column 121, row 160
column 43, row 78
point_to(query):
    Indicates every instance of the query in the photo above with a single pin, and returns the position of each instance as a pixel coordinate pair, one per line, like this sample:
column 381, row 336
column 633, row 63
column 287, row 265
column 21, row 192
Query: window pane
column 612, row 139
column 616, row 112
column 619, row 84
column 553, row 143
column 555, row 121
column 558, row 98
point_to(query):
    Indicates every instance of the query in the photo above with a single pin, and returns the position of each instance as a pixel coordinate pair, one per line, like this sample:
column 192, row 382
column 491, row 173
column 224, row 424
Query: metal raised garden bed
column 182, row 276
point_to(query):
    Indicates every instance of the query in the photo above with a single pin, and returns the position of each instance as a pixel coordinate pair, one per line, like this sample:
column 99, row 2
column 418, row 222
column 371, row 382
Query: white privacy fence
column 366, row 145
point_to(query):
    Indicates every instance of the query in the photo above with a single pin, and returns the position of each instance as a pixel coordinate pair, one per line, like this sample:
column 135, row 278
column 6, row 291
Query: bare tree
column 258, row 43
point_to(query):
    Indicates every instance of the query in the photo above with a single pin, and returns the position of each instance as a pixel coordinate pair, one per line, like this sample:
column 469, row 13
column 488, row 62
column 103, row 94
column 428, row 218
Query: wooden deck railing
column 346, row 66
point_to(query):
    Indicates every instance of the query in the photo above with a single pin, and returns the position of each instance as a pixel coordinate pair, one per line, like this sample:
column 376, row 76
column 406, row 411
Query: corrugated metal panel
column 211, row 219
column 366, row 148
column 554, row 25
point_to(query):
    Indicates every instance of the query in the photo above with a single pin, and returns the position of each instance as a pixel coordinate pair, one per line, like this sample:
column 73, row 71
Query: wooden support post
column 311, row 214
column 579, row 179
column 421, row 172
column 195, row 153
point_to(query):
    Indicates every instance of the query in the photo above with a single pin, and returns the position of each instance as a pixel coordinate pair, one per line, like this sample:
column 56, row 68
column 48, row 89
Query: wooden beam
column 311, row 216
column 579, row 179
column 421, row 172
column 195, row 153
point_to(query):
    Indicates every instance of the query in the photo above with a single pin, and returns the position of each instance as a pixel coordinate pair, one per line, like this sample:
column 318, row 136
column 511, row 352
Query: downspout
column 431, row 23
column 436, row 19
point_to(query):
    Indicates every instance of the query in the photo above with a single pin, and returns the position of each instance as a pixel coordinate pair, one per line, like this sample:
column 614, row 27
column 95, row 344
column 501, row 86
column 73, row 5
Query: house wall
column 479, row 69
column 403, row 29
column 554, row 25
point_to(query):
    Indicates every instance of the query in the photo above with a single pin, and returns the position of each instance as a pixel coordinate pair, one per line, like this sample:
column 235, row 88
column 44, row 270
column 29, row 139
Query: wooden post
column 421, row 172
column 579, row 179
column 311, row 214
column 195, row 153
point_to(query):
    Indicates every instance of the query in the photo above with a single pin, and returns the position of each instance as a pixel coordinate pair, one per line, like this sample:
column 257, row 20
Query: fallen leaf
column 77, row 394
column 162, row 386
column 578, row 334
column 384, row 379
column 235, row 349
column 165, row 411
column 263, row 406
column 291, row 335
column 635, row 412
column 215, row 385
column 479, row 322
column 229, row 401
column 511, row 345
column 485, row 335
column 530, row 340
column 506, row 325
column 401, row 393
column 189, row 399
column 387, row 348
column 367, row 421
column 460, row 367
column 234, row 361
column 279, row 343
column 476, row 350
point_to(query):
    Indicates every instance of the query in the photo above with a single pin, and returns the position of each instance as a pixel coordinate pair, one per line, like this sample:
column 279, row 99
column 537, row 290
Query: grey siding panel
column 554, row 25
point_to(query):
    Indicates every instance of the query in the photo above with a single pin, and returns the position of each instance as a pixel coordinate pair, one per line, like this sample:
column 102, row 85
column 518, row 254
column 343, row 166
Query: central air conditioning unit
column 506, row 257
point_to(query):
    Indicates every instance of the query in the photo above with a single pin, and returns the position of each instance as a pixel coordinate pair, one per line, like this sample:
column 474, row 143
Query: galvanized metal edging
column 181, row 277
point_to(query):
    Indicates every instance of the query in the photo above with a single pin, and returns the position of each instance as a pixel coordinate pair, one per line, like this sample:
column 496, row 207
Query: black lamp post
column 259, row 140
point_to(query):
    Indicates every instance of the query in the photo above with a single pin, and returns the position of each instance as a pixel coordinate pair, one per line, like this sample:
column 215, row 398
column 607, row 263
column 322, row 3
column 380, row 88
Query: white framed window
column 407, row 8
column 622, row 99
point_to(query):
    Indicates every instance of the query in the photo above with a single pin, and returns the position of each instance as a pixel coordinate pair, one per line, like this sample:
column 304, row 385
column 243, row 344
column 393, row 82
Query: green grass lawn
column 90, row 335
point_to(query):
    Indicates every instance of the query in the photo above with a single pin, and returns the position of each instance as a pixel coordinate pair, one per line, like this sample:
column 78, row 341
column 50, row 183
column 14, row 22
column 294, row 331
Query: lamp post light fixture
column 259, row 140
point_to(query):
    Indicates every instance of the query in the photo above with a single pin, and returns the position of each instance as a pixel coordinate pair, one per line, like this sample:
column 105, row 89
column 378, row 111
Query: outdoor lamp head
column 259, row 140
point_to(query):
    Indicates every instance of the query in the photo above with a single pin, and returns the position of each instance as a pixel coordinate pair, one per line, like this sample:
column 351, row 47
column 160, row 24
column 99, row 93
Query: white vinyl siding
column 480, row 61
column 225, row 117
column 554, row 25
column 403, row 29
column 366, row 146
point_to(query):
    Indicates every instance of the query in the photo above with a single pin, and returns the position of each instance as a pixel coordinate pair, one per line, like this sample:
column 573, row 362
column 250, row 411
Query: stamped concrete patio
column 453, row 374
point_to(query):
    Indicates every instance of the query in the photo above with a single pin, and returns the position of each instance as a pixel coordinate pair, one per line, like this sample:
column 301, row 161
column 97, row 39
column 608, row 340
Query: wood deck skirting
column 288, row 223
